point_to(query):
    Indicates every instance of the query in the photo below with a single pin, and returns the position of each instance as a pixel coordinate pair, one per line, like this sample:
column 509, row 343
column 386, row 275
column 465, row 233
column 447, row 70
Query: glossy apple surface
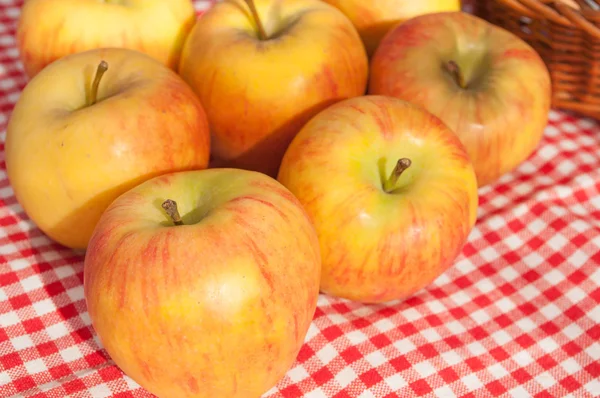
column 51, row 29
column 216, row 307
column 68, row 159
column 374, row 18
column 381, row 239
column 259, row 93
column 496, row 96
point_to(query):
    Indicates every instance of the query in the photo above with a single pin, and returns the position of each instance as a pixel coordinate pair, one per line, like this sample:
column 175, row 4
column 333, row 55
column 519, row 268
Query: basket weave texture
column 566, row 33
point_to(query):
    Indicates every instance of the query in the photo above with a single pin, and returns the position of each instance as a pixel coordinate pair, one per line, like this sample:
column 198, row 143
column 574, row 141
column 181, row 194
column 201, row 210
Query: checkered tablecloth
column 518, row 315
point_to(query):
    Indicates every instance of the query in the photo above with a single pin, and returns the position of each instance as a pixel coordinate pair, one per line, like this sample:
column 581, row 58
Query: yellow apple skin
column 374, row 18
column 51, row 29
column 217, row 307
column 500, row 116
column 378, row 246
column 258, row 94
column 67, row 161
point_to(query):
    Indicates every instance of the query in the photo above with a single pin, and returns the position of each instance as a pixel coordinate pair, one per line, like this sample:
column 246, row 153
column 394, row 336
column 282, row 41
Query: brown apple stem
column 390, row 184
column 102, row 67
column 262, row 35
column 170, row 207
column 453, row 68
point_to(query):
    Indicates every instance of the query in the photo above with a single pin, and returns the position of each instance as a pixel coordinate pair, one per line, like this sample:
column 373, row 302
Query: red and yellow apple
column 391, row 193
column 262, row 69
column 51, row 29
column 81, row 135
column 374, row 18
column 204, row 283
column 489, row 86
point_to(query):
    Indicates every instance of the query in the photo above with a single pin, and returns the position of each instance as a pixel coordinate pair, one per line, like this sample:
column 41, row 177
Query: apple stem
column 102, row 67
column 453, row 68
column 390, row 184
column 170, row 207
column 262, row 35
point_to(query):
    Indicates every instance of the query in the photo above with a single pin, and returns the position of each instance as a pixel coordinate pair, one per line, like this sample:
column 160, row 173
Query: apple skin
column 67, row 161
column 258, row 94
column 51, row 29
column 500, row 117
column 217, row 307
column 378, row 246
column 374, row 18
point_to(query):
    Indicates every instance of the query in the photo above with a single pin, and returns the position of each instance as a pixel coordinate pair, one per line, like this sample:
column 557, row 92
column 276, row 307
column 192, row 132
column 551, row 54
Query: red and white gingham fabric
column 517, row 316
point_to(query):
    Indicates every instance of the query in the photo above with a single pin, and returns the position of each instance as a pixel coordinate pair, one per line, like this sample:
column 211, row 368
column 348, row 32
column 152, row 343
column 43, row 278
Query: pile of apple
column 220, row 172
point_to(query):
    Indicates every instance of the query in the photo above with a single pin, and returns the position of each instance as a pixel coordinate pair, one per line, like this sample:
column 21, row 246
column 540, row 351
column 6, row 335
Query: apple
column 489, row 86
column 374, row 18
column 263, row 68
column 391, row 193
column 51, row 29
column 92, row 125
column 203, row 283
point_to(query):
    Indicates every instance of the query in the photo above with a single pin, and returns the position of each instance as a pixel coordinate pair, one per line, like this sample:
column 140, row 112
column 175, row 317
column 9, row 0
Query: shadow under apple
column 373, row 34
column 266, row 155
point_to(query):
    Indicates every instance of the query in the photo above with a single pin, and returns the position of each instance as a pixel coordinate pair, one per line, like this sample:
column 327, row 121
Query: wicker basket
column 566, row 33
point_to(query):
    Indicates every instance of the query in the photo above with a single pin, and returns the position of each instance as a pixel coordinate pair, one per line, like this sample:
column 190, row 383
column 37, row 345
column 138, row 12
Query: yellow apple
column 263, row 69
column 211, row 297
column 78, row 137
column 51, row 29
column 374, row 18
column 391, row 192
column 489, row 86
